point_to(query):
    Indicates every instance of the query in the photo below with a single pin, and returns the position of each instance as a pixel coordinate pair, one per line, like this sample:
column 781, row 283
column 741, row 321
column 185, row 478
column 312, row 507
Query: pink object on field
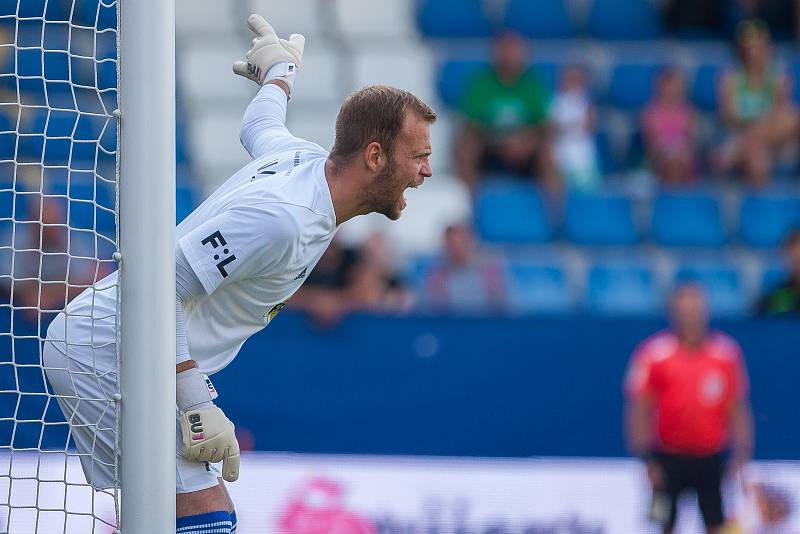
column 317, row 508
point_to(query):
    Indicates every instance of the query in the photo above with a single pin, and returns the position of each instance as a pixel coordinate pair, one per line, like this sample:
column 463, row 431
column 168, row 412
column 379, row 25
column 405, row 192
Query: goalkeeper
column 239, row 257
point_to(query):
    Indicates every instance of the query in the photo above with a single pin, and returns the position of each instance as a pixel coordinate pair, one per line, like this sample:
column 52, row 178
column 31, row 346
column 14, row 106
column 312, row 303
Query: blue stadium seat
column 772, row 277
column 636, row 156
column 609, row 163
column 106, row 75
column 90, row 127
column 509, row 212
column 15, row 205
column 52, row 10
column 764, row 219
column 548, row 20
column 8, row 144
column 537, row 288
column 623, row 290
column 6, row 122
column 795, row 73
column 58, row 127
column 32, row 92
column 453, row 18
column 624, row 20
column 7, row 68
column 8, row 199
column 55, row 123
column 600, row 219
column 632, row 84
column 90, row 203
column 95, row 14
column 29, row 62
column 29, row 33
column 687, row 219
column 705, row 86
column 56, row 36
column 60, row 95
column 454, row 75
column 547, row 74
column 184, row 202
column 56, row 66
column 722, row 285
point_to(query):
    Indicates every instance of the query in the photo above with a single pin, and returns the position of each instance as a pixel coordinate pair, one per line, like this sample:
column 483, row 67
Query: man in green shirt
column 505, row 111
column 785, row 299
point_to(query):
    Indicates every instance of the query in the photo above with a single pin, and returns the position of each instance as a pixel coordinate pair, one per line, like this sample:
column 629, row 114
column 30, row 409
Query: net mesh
column 58, row 234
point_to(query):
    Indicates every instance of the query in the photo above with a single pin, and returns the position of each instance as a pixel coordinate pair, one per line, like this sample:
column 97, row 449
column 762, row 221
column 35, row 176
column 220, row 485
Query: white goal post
column 147, row 226
column 87, row 186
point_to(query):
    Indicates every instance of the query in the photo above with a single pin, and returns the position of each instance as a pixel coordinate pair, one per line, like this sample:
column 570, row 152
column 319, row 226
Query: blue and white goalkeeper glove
column 271, row 57
column 207, row 435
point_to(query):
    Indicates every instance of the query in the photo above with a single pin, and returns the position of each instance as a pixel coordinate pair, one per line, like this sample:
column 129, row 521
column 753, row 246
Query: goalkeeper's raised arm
column 273, row 63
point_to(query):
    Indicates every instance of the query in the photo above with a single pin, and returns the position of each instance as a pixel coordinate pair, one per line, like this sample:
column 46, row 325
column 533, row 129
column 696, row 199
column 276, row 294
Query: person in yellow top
column 756, row 108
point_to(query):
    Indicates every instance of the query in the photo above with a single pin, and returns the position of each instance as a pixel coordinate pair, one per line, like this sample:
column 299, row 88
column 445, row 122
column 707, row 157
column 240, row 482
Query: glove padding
column 207, row 436
column 268, row 51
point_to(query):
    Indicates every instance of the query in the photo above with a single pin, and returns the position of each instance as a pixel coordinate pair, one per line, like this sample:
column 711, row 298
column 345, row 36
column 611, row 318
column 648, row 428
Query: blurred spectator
column 573, row 118
column 756, row 107
column 785, row 299
column 687, row 397
column 668, row 125
column 376, row 286
column 695, row 17
column 505, row 109
column 51, row 264
column 464, row 279
column 347, row 280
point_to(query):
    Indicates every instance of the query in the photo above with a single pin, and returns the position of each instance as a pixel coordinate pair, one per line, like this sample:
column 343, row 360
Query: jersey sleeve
column 263, row 130
column 240, row 243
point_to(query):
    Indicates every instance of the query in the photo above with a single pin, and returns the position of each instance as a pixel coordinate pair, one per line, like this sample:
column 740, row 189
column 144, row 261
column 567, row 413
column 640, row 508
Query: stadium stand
column 687, row 219
column 535, row 287
column 616, row 212
column 433, row 49
column 551, row 20
column 508, row 212
column 615, row 289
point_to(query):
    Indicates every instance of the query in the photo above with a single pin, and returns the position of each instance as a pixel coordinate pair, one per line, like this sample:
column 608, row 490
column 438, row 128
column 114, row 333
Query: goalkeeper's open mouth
column 402, row 201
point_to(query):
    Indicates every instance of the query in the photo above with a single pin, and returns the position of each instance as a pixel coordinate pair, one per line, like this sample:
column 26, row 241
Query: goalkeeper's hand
column 271, row 57
column 207, row 435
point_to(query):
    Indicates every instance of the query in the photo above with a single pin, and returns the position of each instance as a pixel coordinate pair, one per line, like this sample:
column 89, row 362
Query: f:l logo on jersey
column 216, row 240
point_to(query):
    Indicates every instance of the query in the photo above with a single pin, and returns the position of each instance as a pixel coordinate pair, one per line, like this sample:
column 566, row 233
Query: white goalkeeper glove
column 207, row 435
column 271, row 57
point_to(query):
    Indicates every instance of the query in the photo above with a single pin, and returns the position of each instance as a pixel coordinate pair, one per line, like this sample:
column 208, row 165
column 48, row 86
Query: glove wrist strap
column 285, row 70
column 193, row 390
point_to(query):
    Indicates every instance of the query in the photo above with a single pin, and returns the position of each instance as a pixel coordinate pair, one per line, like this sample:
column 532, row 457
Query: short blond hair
column 374, row 114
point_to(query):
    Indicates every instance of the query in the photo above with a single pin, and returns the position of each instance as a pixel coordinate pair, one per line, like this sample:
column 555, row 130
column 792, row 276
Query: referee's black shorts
column 703, row 474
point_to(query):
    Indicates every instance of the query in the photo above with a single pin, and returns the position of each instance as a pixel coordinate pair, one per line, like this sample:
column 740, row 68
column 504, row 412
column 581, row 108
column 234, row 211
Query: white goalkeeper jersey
column 251, row 245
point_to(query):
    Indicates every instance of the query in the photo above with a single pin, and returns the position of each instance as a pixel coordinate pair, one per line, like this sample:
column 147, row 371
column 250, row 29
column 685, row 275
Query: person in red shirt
column 687, row 403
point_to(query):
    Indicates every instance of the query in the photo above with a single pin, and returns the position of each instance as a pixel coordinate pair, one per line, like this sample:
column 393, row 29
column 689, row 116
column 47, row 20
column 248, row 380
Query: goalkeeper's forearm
column 185, row 366
column 283, row 85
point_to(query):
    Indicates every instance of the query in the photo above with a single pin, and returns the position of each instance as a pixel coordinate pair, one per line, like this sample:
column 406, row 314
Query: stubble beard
column 381, row 196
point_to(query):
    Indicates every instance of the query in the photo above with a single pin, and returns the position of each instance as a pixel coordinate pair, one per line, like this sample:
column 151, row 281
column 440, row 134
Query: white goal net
column 58, row 235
